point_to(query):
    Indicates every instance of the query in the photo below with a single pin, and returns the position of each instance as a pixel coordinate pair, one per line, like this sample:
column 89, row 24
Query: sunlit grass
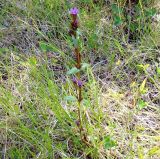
column 37, row 109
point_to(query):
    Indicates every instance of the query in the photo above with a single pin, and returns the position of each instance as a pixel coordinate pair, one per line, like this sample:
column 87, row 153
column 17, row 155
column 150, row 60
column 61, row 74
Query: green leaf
column 75, row 41
column 133, row 26
column 84, row 66
column 117, row 20
column 142, row 67
column 73, row 71
column 70, row 98
column 158, row 70
column 146, row 66
column 150, row 12
column 116, row 9
column 2, row 50
column 48, row 47
column 53, row 102
column 142, row 86
column 108, row 142
column 45, row 46
column 33, row 61
column 142, row 104
column 153, row 151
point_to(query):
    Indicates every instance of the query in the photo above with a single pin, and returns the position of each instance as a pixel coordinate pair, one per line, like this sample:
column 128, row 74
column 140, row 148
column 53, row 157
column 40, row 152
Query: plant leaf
column 142, row 87
column 45, row 46
column 70, row 98
column 84, row 66
column 73, row 71
column 117, row 20
column 151, row 12
column 158, row 70
column 75, row 41
column 108, row 142
column 116, row 9
column 33, row 61
column 142, row 104
column 153, row 151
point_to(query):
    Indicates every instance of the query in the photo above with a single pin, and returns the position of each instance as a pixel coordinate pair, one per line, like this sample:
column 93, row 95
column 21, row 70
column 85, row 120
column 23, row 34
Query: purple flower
column 79, row 83
column 74, row 11
column 74, row 80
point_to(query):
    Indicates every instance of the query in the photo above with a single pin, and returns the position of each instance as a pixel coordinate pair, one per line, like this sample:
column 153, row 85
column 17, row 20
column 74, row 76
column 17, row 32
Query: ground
column 121, row 93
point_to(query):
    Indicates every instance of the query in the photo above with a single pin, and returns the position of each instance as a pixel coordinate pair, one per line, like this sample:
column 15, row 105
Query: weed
column 119, row 77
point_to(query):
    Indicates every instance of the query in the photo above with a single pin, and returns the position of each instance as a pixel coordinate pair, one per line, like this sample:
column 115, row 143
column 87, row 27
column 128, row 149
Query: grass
column 37, row 105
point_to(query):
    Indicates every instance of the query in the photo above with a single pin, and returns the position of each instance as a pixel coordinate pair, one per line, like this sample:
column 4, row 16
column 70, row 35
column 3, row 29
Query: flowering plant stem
column 77, row 80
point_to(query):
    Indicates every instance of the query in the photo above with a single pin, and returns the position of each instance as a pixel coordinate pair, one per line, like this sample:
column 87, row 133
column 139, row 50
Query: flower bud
column 74, row 11
column 74, row 80
column 79, row 83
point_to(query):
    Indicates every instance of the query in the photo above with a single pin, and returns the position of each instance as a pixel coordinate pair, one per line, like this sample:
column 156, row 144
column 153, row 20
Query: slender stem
column 73, row 32
column 130, row 14
column 80, row 121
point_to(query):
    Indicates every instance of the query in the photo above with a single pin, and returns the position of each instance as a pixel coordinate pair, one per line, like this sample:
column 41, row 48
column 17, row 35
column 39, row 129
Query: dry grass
column 36, row 121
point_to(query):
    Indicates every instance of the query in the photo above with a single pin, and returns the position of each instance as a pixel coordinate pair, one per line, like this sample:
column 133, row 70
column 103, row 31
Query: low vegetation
column 84, row 88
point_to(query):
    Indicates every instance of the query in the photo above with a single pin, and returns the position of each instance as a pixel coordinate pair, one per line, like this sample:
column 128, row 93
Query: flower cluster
column 78, row 82
column 73, row 33
column 74, row 24
column 74, row 11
